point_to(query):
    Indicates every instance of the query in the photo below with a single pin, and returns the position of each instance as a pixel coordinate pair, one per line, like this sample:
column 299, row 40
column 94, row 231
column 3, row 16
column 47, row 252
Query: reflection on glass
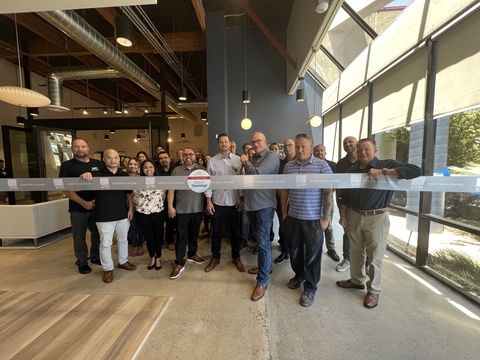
column 456, row 255
column 56, row 146
column 403, row 233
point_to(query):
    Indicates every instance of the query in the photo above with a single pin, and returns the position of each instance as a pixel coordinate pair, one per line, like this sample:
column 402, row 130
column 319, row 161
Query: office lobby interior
column 403, row 72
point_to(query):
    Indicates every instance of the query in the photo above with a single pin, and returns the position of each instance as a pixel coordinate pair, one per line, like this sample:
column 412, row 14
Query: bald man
column 260, row 206
column 112, row 216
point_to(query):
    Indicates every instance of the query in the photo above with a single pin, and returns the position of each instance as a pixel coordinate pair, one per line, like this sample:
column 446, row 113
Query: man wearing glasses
column 260, row 206
column 189, row 208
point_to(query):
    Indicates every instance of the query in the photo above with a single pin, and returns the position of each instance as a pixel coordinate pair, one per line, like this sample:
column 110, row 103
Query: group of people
column 304, row 213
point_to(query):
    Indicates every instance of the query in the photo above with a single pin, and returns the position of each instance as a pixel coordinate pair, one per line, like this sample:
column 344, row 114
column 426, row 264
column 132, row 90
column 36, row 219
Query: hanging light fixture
column 33, row 111
column 183, row 134
column 203, row 115
column 139, row 137
column 315, row 120
column 301, row 91
column 118, row 107
column 169, row 129
column 125, row 111
column 20, row 120
column 123, row 31
column 105, row 111
column 112, row 131
column 85, row 112
column 146, row 110
column 245, row 93
column 19, row 95
column 107, row 137
column 182, row 92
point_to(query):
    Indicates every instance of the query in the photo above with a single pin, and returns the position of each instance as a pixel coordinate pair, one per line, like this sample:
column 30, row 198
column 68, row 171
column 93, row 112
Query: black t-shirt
column 164, row 173
column 343, row 165
column 110, row 204
column 75, row 168
column 333, row 165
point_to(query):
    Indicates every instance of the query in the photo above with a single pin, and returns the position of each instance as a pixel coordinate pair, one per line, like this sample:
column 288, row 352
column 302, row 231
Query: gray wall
column 272, row 110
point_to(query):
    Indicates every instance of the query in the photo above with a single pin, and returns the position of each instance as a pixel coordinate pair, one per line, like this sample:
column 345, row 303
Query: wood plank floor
column 75, row 326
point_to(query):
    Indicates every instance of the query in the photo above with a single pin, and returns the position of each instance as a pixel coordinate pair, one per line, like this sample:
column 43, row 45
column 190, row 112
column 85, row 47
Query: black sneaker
column 295, row 283
column 84, row 269
column 96, row 262
column 281, row 258
column 333, row 255
column 307, row 299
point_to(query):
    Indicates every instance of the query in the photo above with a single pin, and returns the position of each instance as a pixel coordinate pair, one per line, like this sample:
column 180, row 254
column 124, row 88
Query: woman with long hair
column 125, row 161
column 142, row 156
column 149, row 205
column 135, row 233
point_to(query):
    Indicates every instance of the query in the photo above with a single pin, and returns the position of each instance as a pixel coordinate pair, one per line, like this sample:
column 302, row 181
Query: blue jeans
column 261, row 223
column 136, row 234
column 245, row 225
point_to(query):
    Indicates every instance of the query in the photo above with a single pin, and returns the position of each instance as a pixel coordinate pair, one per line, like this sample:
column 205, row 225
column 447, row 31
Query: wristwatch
column 384, row 171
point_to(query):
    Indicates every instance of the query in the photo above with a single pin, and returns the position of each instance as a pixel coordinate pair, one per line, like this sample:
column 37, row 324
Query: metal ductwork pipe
column 56, row 76
column 197, row 103
column 85, row 35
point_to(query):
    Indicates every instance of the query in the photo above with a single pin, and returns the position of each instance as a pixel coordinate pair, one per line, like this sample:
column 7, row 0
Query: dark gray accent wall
column 272, row 111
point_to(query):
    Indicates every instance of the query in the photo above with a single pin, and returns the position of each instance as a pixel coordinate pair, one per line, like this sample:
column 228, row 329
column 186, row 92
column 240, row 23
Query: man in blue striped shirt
column 306, row 219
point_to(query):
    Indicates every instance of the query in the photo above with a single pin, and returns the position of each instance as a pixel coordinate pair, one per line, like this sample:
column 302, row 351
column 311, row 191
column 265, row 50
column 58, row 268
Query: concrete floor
column 211, row 315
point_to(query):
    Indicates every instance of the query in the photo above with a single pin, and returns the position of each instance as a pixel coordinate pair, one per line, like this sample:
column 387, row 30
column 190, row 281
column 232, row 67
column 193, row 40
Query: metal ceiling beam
column 268, row 33
column 358, row 19
column 332, row 58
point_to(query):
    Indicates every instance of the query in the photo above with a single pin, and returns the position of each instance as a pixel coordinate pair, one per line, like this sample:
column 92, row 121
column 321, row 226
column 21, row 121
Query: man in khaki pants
column 363, row 212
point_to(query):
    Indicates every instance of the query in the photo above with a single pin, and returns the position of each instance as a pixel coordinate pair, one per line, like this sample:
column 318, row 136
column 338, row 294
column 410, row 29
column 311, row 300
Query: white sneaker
column 344, row 265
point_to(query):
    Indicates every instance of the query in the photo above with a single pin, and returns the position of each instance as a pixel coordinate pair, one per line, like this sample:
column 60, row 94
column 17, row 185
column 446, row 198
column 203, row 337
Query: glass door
column 54, row 148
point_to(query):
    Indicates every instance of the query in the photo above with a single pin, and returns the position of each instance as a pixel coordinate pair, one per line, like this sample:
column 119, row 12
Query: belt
column 371, row 212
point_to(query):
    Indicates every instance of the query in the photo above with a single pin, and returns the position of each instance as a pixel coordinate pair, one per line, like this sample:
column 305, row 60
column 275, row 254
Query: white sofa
column 33, row 221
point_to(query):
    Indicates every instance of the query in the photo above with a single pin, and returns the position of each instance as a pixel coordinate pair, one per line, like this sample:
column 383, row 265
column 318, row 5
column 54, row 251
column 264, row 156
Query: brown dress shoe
column 238, row 263
column 259, row 292
column 108, row 276
column 212, row 265
column 254, row 271
column 371, row 300
column 348, row 284
column 196, row 259
column 177, row 270
column 127, row 266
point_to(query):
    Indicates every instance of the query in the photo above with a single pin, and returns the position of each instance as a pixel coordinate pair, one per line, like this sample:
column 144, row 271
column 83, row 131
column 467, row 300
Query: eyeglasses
column 253, row 142
column 188, row 154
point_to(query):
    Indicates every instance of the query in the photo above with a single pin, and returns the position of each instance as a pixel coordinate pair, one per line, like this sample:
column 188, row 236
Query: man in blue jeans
column 260, row 206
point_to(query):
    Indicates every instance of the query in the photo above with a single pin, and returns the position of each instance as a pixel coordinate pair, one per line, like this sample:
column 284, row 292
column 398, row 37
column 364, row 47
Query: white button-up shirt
column 217, row 166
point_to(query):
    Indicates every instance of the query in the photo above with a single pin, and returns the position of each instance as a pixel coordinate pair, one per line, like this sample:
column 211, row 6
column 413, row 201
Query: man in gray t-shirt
column 189, row 209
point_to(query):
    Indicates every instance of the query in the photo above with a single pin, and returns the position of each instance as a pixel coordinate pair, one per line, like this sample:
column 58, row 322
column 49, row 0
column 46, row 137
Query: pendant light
column 301, row 90
column 123, row 31
column 33, row 111
column 245, row 93
column 203, row 115
column 315, row 120
column 19, row 95
column 183, row 134
column 246, row 122
column 182, row 91
column 118, row 104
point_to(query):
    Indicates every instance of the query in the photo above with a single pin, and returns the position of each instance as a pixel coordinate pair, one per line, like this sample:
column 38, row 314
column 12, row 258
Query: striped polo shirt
column 306, row 204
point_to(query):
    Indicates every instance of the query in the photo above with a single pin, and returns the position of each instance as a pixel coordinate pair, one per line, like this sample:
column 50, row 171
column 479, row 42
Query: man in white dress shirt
column 221, row 203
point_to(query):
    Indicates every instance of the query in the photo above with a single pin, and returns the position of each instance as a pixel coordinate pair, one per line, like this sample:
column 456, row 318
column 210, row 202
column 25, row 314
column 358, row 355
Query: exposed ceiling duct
column 85, row 35
column 57, row 75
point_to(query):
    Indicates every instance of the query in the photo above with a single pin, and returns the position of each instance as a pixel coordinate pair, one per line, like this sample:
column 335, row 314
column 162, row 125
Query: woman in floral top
column 136, row 234
column 149, row 205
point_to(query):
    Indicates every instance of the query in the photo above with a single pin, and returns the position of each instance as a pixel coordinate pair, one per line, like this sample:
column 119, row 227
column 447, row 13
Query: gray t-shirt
column 188, row 201
column 264, row 164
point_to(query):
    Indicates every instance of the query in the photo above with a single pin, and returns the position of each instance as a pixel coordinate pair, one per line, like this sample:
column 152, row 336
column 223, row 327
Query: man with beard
column 350, row 147
column 165, row 168
column 81, row 206
column 189, row 209
column 260, row 205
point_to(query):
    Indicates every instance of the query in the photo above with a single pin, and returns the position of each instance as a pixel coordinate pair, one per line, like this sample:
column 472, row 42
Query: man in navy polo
column 305, row 218
column 81, row 206
column 364, row 214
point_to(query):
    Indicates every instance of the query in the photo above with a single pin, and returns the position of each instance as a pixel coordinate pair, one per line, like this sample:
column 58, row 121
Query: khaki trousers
column 368, row 232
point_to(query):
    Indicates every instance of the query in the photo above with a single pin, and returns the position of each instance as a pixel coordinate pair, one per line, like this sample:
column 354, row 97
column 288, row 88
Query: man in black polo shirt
column 363, row 212
column 345, row 163
column 165, row 168
column 112, row 216
column 81, row 206
column 320, row 152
